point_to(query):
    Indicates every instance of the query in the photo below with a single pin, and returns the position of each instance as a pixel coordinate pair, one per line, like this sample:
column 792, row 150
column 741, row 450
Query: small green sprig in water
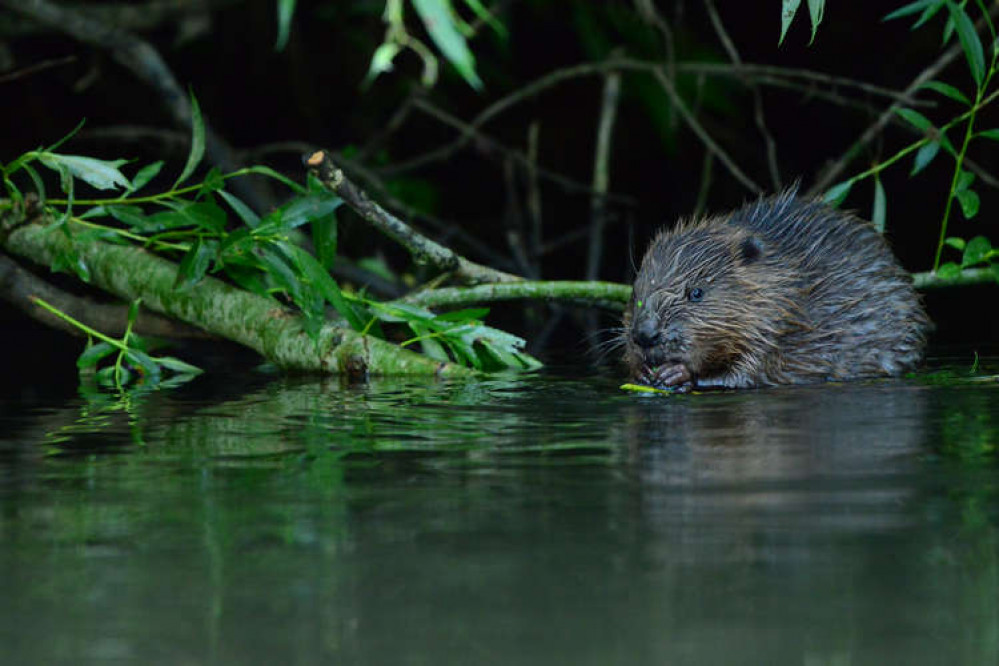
column 132, row 364
column 641, row 388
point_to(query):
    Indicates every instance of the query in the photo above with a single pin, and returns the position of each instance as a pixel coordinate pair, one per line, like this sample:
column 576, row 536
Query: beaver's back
column 863, row 312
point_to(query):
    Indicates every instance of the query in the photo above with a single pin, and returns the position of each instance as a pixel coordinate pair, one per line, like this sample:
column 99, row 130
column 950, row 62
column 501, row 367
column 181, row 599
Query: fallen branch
column 256, row 322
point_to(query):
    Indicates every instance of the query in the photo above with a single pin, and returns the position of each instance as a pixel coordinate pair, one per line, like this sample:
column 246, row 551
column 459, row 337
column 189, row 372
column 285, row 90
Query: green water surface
column 540, row 520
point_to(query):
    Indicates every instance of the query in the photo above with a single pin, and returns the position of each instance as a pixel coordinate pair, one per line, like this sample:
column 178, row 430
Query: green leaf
column 133, row 311
column 178, row 366
column 213, row 182
column 924, row 156
column 992, row 134
column 948, row 271
column 382, row 60
column 947, row 90
column 307, row 208
column 964, row 180
column 324, row 238
column 313, row 271
column 195, row 263
column 487, row 17
column 929, row 12
column 816, row 8
column 245, row 213
column 916, row 119
column 911, row 8
column 879, row 213
column 837, row 193
column 107, row 376
column 430, row 345
column 93, row 354
column 970, row 43
column 100, row 174
column 197, row 143
column 969, row 203
column 787, row 11
column 439, row 20
column 285, row 10
column 146, row 174
column 142, row 361
column 206, row 215
column 281, row 178
column 35, row 179
column 956, row 243
column 129, row 215
column 976, row 252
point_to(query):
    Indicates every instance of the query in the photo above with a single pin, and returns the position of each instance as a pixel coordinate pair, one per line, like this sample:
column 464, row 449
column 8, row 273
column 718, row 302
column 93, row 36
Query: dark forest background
column 272, row 106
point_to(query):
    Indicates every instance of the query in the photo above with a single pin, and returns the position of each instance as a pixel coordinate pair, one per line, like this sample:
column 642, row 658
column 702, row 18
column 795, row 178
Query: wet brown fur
column 792, row 291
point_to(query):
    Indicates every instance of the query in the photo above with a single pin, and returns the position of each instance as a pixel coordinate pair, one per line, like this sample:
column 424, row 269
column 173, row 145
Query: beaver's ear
column 750, row 249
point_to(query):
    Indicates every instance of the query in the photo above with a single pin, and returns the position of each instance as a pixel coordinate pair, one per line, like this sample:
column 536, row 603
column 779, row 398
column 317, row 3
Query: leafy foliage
column 789, row 8
column 446, row 28
column 934, row 138
column 208, row 230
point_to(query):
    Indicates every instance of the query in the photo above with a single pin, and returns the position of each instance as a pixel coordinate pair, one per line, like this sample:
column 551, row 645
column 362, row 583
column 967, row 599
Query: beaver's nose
column 645, row 331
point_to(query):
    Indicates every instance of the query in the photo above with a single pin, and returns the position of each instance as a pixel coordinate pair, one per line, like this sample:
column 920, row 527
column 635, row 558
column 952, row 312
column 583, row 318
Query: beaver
column 784, row 290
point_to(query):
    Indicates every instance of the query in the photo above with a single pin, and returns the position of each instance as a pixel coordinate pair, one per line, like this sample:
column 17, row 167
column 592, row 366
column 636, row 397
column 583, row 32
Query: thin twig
column 601, row 172
column 422, row 248
column 37, row 67
column 145, row 62
column 534, row 197
column 754, row 89
column 702, row 134
column 567, row 184
column 833, row 172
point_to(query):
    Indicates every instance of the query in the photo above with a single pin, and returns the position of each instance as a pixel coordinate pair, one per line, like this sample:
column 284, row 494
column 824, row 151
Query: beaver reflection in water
column 781, row 291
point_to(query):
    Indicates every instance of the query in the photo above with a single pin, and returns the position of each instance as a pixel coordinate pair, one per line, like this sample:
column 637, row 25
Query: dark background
column 311, row 94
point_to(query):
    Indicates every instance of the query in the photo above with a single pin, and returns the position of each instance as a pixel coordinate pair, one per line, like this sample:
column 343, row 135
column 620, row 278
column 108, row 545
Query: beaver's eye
column 695, row 294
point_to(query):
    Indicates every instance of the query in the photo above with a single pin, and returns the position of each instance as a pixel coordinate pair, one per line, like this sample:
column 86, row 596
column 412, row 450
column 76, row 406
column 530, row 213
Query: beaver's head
column 707, row 302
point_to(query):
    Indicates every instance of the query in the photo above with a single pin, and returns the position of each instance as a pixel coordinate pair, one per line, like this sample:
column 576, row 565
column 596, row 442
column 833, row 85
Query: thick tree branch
column 256, row 322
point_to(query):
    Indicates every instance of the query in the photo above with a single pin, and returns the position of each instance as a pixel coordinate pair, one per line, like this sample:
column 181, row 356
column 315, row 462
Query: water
column 542, row 520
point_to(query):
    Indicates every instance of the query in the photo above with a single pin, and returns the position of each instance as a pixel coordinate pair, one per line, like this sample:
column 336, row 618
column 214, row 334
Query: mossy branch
column 261, row 324
column 607, row 295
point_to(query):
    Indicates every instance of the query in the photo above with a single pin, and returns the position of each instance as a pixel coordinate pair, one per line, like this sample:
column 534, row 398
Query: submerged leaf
column 93, row 354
